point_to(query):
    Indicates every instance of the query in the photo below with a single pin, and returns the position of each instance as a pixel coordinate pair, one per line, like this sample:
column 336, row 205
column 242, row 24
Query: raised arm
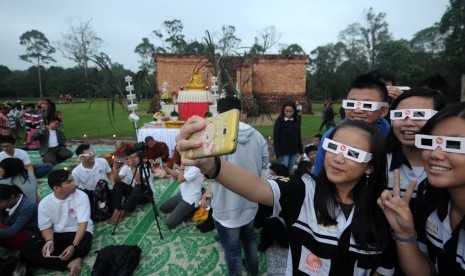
column 398, row 214
column 234, row 178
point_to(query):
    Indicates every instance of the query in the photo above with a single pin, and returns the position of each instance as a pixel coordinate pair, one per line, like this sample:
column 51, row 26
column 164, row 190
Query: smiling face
column 88, row 157
column 365, row 94
column 445, row 169
column 406, row 129
column 342, row 171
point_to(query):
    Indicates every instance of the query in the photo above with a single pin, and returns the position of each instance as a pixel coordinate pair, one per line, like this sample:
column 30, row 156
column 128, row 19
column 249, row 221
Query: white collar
column 13, row 209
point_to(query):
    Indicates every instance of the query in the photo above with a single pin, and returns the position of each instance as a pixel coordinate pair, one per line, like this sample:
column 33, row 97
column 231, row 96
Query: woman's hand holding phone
column 192, row 125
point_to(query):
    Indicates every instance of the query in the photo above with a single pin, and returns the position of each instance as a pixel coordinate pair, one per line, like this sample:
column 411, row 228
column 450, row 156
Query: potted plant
column 165, row 97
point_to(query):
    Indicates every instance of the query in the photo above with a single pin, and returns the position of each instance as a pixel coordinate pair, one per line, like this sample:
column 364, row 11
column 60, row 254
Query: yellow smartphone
column 219, row 137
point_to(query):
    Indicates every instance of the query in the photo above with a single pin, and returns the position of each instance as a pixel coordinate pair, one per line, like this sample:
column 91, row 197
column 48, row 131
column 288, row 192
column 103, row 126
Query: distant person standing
column 299, row 111
column 5, row 128
column 287, row 142
column 50, row 111
column 329, row 116
column 325, row 104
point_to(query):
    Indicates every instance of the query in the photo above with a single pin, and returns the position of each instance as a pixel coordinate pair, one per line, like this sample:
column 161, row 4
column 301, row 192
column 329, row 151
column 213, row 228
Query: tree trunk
column 462, row 97
column 40, row 79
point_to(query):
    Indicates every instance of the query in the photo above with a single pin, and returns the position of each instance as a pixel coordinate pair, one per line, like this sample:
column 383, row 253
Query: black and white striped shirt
column 322, row 250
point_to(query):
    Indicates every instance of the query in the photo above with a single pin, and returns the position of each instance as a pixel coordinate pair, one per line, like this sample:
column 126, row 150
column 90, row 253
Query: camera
column 140, row 148
column 120, row 160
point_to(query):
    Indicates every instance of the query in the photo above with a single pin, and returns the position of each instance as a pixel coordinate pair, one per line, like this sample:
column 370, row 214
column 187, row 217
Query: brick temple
column 268, row 79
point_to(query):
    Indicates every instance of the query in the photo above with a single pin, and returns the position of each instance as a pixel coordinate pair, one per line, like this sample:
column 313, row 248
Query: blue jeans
column 40, row 170
column 231, row 240
column 288, row 161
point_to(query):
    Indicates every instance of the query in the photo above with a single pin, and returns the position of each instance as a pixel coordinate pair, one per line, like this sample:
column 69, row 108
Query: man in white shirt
column 91, row 170
column 88, row 173
column 9, row 151
column 183, row 205
column 65, row 225
column 130, row 185
column 52, row 143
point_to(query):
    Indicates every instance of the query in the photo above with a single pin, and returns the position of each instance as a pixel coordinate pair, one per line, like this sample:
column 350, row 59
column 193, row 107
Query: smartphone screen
column 219, row 136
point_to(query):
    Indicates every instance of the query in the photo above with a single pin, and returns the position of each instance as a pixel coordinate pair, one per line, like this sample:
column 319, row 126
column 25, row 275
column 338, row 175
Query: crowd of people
column 382, row 192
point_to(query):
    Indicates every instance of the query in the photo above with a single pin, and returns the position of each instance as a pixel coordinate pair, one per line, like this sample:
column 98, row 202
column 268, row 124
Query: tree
column 374, row 32
column 427, row 47
column 80, row 43
column 228, row 41
column 174, row 38
column 145, row 50
column 396, row 56
column 293, row 49
column 38, row 50
column 256, row 49
column 324, row 63
column 353, row 42
column 195, row 47
column 452, row 26
column 267, row 38
column 428, row 40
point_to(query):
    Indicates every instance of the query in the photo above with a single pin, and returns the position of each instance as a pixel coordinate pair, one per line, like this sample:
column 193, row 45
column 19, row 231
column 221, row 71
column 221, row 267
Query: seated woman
column 65, row 225
column 13, row 172
column 183, row 205
column 18, row 219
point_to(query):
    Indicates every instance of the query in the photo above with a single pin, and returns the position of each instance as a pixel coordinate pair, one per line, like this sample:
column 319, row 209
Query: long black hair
column 430, row 197
column 369, row 226
column 291, row 104
column 439, row 102
column 14, row 167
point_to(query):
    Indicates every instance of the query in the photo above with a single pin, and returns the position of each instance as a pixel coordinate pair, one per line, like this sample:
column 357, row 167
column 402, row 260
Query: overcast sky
column 123, row 24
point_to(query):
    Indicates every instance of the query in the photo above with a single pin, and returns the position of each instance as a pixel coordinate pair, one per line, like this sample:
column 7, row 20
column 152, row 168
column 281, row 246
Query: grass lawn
column 92, row 119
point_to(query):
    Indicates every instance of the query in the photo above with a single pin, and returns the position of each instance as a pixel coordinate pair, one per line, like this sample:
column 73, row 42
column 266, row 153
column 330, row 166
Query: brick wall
column 273, row 78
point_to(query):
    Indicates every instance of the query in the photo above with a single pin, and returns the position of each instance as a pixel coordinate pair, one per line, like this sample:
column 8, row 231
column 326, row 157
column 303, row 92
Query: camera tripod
column 144, row 171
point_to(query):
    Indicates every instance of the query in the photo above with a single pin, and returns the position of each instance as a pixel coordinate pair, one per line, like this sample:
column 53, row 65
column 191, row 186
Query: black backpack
column 11, row 266
column 118, row 260
column 101, row 208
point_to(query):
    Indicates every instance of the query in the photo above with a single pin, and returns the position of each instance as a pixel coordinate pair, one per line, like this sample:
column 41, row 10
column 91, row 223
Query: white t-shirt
column 127, row 176
column 65, row 215
column 52, row 139
column 19, row 153
column 87, row 178
column 191, row 189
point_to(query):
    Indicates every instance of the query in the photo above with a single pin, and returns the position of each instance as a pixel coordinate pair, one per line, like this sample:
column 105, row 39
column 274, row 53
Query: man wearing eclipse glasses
column 91, row 170
column 93, row 176
column 52, row 143
column 367, row 100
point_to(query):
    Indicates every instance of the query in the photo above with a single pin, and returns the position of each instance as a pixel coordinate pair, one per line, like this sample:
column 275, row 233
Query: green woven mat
column 183, row 251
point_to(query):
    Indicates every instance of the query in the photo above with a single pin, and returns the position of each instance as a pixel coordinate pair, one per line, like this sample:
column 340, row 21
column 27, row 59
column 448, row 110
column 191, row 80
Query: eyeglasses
column 87, row 154
column 413, row 114
column 448, row 144
column 363, row 105
column 349, row 152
